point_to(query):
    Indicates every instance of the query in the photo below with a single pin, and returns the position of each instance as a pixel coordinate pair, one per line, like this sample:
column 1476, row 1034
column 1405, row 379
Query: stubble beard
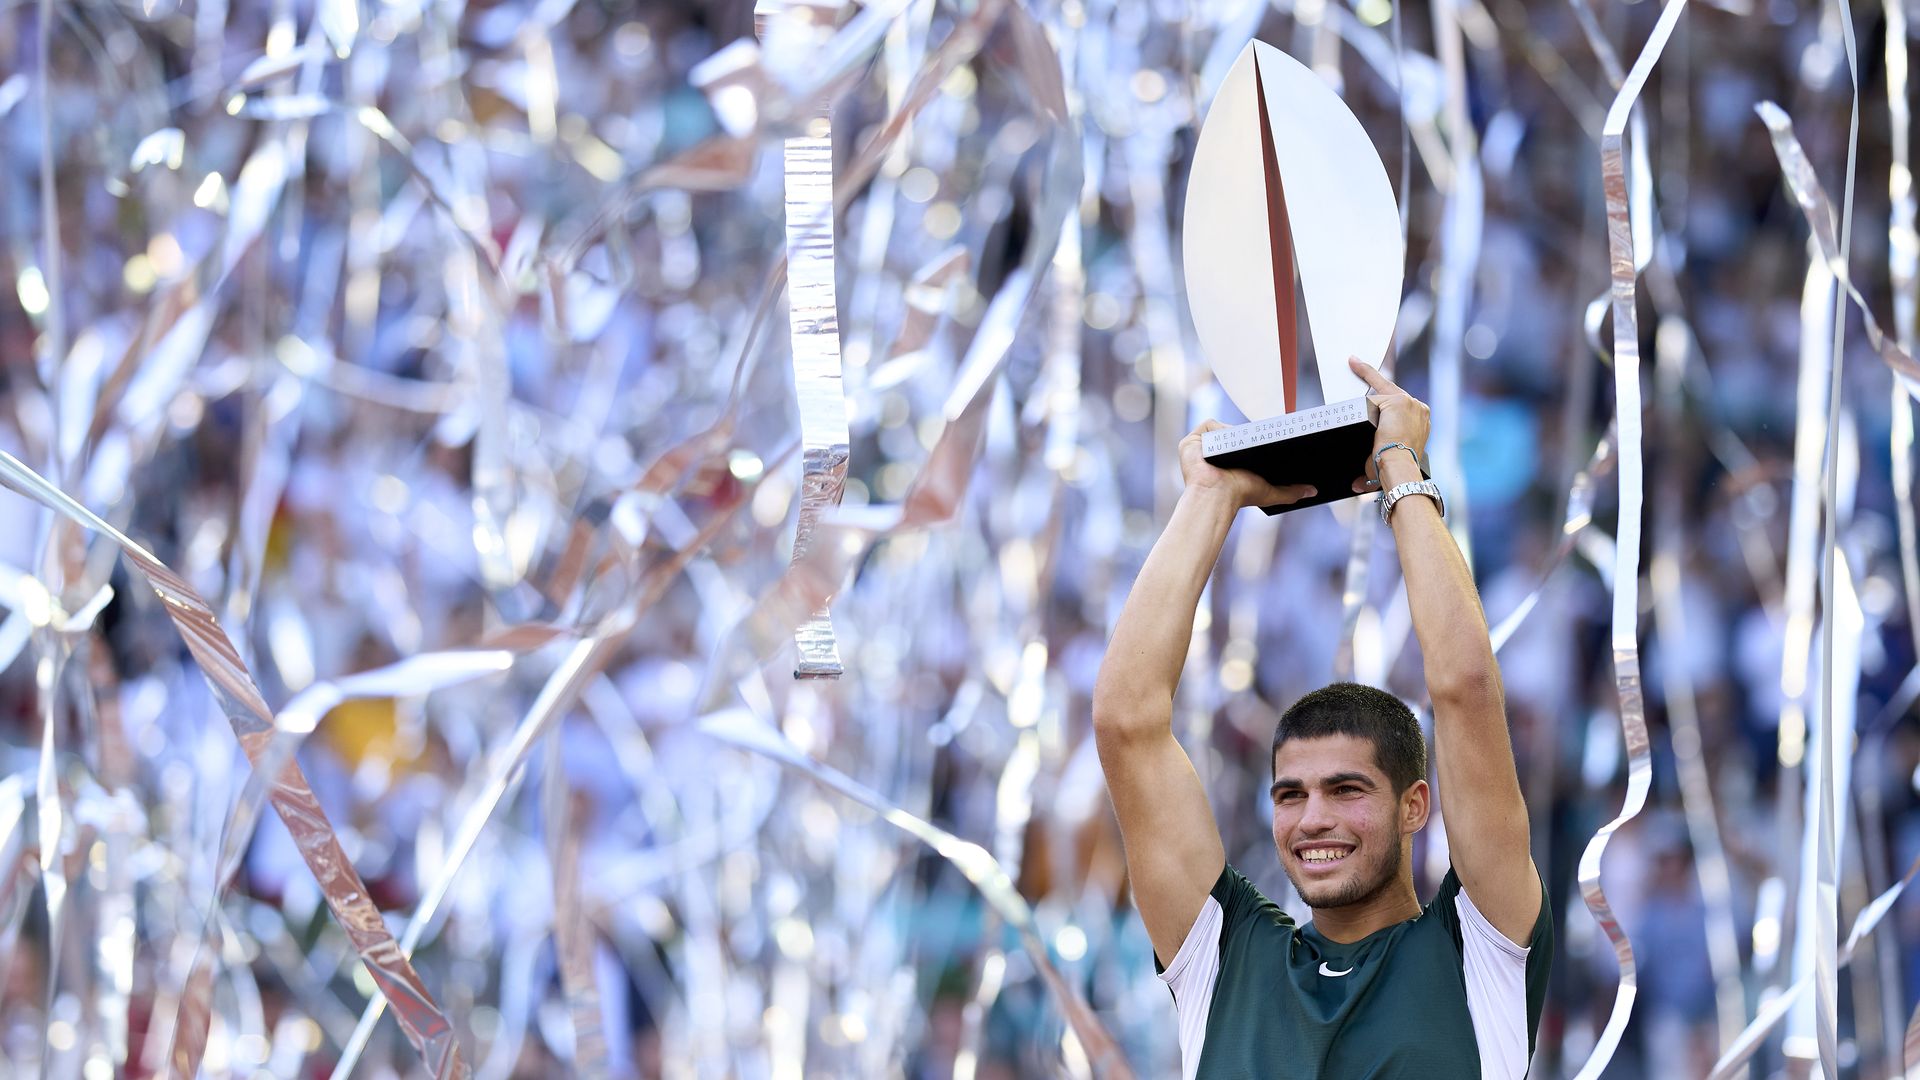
column 1366, row 883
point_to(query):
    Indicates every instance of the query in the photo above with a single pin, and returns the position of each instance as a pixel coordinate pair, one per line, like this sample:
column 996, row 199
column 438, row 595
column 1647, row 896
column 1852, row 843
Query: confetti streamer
column 1737, row 1053
column 1461, row 223
column 308, row 301
column 1626, row 564
column 300, row 717
column 1836, row 735
column 742, row 729
column 814, row 324
column 1820, row 827
column 572, row 931
column 252, row 722
column 1578, row 518
column 54, row 350
column 1903, row 272
column 1683, row 712
column 1913, row 1045
column 1817, row 209
column 583, row 662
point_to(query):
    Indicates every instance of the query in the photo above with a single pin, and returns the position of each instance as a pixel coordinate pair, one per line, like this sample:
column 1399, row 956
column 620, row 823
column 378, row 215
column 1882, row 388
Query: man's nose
column 1318, row 816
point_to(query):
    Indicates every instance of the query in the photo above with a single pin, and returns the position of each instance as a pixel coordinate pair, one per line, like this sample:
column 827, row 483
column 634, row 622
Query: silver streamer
column 1817, row 209
column 1626, row 561
column 1462, row 222
column 815, row 330
column 1913, row 1045
column 980, row 867
column 1903, row 256
column 1742, row 1049
column 572, row 927
column 1820, row 857
column 426, row 1026
column 1683, row 712
column 427, row 362
column 1578, row 517
column 1903, row 272
column 1832, row 762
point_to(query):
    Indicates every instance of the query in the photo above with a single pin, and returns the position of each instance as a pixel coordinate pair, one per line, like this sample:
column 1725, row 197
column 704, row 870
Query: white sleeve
column 1496, row 972
column 1191, row 976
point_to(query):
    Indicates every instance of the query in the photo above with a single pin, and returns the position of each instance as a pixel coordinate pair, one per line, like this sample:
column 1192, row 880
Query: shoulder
column 1454, row 907
column 1241, row 902
column 1235, row 910
column 1443, row 910
column 1539, row 938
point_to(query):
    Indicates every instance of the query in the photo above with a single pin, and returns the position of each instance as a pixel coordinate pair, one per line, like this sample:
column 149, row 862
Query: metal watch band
column 1412, row 487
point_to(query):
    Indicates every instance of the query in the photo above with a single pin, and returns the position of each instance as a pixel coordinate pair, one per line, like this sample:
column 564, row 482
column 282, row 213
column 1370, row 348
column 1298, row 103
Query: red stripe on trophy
column 1280, row 233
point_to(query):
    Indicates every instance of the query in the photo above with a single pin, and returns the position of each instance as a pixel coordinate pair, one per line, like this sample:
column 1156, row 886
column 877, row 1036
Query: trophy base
column 1326, row 446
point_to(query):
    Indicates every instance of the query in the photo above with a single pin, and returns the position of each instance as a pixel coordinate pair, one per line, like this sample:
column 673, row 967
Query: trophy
column 1287, row 187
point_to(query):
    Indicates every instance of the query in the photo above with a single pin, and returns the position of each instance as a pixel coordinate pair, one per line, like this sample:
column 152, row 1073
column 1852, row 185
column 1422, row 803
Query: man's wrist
column 1212, row 499
column 1398, row 468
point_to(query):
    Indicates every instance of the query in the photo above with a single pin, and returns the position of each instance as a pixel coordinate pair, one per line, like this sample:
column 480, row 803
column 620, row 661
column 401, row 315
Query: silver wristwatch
column 1412, row 487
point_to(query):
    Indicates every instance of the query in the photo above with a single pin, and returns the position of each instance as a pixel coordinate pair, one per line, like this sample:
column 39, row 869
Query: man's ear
column 1416, row 803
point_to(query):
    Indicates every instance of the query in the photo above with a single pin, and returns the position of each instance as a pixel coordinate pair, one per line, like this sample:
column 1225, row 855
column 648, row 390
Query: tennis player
column 1375, row 984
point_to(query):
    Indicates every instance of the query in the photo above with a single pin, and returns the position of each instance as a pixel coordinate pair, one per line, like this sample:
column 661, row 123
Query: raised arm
column 1479, row 793
column 1173, row 845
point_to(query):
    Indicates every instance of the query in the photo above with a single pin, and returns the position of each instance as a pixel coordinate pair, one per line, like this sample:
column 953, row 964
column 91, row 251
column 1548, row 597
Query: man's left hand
column 1403, row 419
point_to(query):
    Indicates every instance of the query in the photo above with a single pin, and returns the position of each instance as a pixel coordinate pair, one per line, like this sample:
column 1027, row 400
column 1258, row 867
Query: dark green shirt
column 1443, row 994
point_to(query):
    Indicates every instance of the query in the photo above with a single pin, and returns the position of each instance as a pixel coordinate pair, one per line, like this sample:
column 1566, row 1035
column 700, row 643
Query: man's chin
column 1329, row 894
column 1344, row 891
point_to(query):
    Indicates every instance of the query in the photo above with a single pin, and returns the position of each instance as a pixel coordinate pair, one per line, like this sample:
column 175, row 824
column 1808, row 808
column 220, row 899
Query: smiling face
column 1342, row 833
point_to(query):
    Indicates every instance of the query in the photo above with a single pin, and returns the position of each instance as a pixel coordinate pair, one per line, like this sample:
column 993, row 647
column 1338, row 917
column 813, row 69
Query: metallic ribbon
column 1832, row 762
column 1903, row 256
column 1913, row 1045
column 240, row 700
column 1813, row 418
column 51, row 809
column 1820, row 822
column 417, row 674
column 1817, row 209
column 741, row 728
column 937, row 490
column 814, row 329
column 1903, row 266
column 1353, row 587
column 566, row 813
column 53, row 352
column 1683, row 714
column 1626, row 551
column 1578, row 517
column 583, row 662
column 1735, row 1056
column 1462, row 221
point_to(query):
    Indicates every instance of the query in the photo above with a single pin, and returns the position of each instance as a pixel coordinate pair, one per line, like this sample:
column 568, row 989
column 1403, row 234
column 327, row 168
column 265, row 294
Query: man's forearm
column 1149, row 645
column 1479, row 791
column 1447, row 618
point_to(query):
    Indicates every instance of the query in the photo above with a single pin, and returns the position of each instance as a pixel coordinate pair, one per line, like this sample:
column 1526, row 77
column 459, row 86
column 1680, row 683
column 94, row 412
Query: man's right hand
column 1240, row 486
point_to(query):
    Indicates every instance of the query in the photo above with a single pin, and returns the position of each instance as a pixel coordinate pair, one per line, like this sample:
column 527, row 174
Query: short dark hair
column 1345, row 708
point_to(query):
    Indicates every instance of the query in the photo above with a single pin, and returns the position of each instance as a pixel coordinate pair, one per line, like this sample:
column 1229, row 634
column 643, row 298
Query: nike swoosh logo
column 1325, row 970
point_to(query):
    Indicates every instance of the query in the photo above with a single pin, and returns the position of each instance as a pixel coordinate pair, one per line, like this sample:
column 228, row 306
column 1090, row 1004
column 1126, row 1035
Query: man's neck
column 1350, row 922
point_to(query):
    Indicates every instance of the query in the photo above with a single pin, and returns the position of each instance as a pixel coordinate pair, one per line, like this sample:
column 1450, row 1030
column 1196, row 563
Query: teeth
column 1322, row 855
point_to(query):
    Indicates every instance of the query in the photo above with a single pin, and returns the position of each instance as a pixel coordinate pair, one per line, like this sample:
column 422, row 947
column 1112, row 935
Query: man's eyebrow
column 1335, row 780
column 1349, row 778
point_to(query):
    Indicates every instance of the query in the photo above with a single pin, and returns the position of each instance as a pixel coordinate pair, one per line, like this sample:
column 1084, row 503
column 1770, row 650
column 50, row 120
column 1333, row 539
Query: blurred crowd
column 377, row 320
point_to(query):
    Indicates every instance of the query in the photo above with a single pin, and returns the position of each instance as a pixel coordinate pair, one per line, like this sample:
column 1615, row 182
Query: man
column 1375, row 985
